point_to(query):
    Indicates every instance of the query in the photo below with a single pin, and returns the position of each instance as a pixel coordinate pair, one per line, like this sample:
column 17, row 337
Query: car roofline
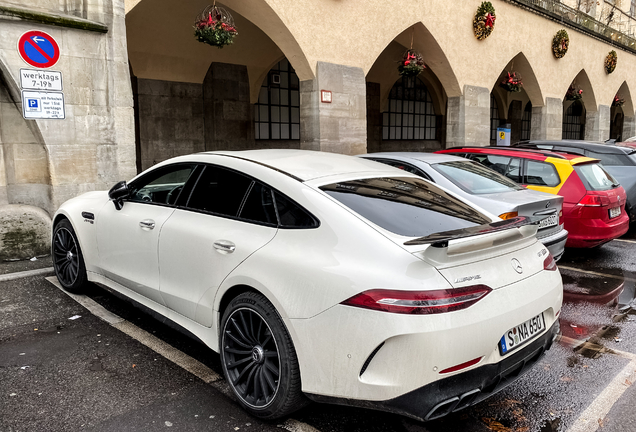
column 522, row 150
column 258, row 163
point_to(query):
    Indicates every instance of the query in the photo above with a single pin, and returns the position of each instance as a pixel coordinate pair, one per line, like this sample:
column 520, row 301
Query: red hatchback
column 594, row 202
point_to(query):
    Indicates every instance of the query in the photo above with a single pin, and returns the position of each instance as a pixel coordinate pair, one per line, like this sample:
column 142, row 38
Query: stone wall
column 170, row 120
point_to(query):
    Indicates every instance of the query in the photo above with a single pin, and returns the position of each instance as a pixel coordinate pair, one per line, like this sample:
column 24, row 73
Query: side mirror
column 117, row 193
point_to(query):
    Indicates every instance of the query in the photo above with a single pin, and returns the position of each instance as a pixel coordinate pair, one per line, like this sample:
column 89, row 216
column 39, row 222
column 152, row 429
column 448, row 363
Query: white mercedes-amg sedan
column 324, row 277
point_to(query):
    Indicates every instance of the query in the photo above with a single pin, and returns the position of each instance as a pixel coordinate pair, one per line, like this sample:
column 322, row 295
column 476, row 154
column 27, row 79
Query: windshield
column 475, row 178
column 595, row 175
column 405, row 206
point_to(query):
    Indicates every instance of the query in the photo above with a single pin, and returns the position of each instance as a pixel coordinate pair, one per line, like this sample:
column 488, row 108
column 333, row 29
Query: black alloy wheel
column 67, row 257
column 259, row 359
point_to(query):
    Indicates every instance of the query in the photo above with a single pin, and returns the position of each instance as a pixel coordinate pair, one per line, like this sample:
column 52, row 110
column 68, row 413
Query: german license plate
column 551, row 220
column 517, row 336
column 614, row 212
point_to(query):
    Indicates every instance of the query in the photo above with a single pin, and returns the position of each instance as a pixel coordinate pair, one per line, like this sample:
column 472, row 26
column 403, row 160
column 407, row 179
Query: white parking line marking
column 625, row 240
column 23, row 274
column 623, row 278
column 589, row 420
column 179, row 358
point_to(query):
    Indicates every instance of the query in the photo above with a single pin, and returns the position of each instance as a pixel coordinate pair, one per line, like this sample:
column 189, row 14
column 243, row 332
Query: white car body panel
column 190, row 269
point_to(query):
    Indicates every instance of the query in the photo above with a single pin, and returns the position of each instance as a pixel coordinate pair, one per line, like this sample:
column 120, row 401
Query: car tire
column 259, row 359
column 68, row 260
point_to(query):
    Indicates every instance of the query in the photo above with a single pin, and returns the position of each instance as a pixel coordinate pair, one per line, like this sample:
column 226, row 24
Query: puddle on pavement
column 593, row 305
column 551, row 425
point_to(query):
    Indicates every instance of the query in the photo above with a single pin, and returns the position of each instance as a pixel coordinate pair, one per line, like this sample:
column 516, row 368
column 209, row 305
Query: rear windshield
column 475, row 178
column 405, row 206
column 595, row 177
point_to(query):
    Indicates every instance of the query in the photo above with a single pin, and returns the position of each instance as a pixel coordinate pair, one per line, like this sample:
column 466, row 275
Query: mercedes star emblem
column 517, row 265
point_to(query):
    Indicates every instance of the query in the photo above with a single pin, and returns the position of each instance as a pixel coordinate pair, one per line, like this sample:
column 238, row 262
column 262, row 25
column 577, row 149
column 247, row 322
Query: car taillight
column 509, row 215
column 549, row 263
column 419, row 302
column 560, row 217
column 594, row 201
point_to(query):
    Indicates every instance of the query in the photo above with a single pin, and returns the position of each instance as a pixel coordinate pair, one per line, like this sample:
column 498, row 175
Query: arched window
column 411, row 115
column 494, row 119
column 574, row 121
column 277, row 112
column 526, row 122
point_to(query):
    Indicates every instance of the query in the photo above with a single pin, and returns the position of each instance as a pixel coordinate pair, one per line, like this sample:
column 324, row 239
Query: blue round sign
column 38, row 49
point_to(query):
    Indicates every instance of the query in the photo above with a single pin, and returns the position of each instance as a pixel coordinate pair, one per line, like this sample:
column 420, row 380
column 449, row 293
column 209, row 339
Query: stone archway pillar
column 597, row 124
column 629, row 127
column 468, row 118
column 547, row 120
column 339, row 126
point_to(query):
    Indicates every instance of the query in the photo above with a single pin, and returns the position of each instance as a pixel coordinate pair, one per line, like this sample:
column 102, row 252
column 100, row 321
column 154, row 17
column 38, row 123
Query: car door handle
column 224, row 246
column 147, row 224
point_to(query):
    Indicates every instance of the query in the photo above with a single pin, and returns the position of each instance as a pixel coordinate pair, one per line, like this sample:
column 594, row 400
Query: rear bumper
column 587, row 233
column 459, row 391
column 555, row 243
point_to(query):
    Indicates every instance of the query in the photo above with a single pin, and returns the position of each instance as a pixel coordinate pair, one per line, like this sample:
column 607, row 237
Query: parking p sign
column 42, row 105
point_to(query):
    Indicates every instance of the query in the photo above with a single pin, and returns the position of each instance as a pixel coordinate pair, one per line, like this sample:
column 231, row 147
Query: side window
column 259, row 205
column 291, row 215
column 219, row 191
column 609, row 159
column 514, row 170
column 161, row 186
column 497, row 163
column 541, row 174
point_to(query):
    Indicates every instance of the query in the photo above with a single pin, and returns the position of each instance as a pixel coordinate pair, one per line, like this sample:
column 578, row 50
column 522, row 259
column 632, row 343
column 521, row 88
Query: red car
column 594, row 202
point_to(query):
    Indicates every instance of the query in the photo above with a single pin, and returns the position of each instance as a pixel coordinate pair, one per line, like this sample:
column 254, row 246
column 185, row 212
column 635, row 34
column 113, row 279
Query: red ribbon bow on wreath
column 409, row 57
column 490, row 20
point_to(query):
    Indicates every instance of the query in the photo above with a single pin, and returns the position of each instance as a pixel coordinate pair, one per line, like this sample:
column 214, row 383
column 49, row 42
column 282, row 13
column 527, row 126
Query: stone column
column 515, row 116
column 597, row 124
column 547, row 120
column 226, row 107
column 339, row 126
column 468, row 118
column 629, row 128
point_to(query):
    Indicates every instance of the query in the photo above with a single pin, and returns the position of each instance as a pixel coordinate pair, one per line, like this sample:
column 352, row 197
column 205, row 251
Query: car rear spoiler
column 441, row 239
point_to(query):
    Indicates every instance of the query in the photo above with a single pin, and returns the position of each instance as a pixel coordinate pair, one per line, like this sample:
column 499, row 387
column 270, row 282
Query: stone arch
column 531, row 87
column 622, row 124
column 147, row 22
column 384, row 69
column 24, row 158
column 582, row 81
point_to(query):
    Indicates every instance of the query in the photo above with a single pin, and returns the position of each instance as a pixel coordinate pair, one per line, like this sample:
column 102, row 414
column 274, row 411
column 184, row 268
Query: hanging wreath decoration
column 560, row 43
column 512, row 82
column 484, row 21
column 215, row 26
column 573, row 94
column 411, row 65
column 618, row 101
column 610, row 62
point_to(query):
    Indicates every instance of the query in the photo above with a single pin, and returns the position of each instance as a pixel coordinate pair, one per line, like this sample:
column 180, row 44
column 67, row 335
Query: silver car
column 487, row 189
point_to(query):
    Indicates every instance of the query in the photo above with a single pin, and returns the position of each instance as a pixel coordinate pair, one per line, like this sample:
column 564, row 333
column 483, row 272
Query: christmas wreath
column 573, row 94
column 484, row 21
column 560, row 43
column 215, row 27
column 610, row 62
column 618, row 101
column 411, row 65
column 512, row 82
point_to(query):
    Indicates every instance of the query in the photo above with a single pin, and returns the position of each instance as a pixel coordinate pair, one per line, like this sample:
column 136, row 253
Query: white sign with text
column 33, row 79
column 42, row 105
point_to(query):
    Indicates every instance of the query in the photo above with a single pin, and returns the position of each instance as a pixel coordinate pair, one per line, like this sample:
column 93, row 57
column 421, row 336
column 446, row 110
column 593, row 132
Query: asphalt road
column 64, row 369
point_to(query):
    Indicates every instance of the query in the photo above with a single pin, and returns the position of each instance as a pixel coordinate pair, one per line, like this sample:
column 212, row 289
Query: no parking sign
column 38, row 49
